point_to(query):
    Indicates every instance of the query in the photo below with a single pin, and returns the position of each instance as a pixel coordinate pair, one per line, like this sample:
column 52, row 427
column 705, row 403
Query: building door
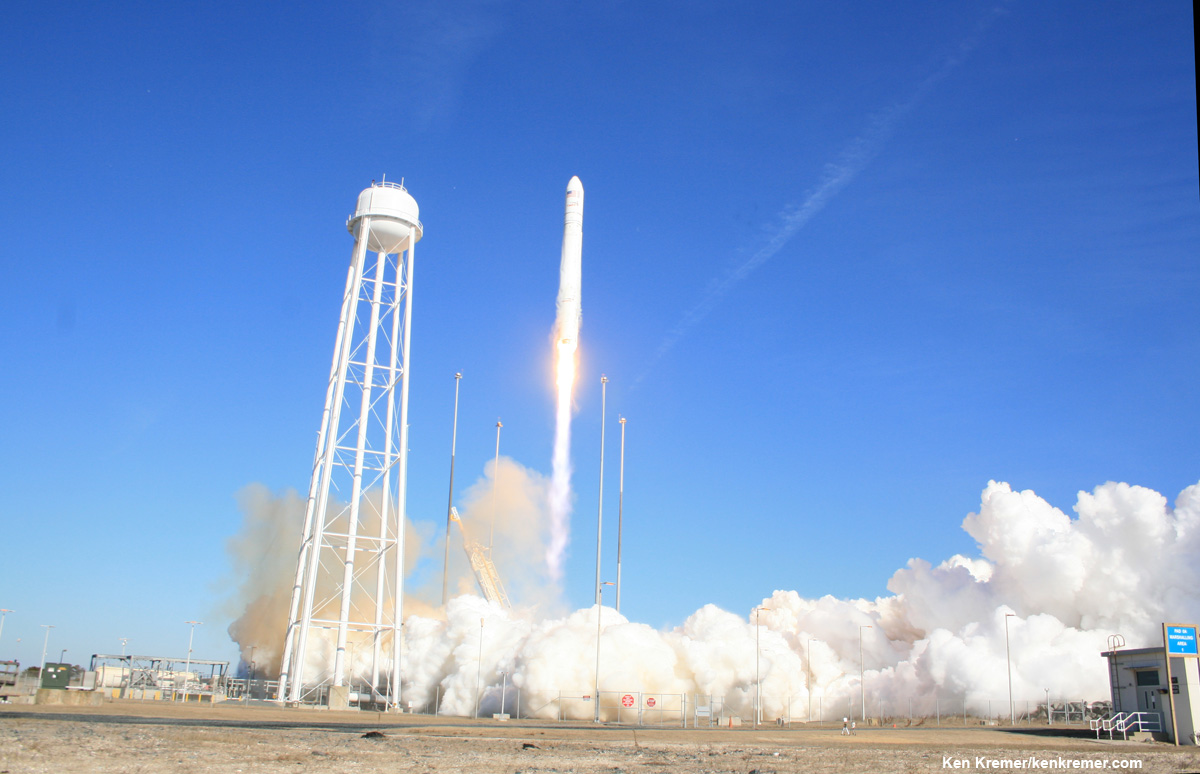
column 1147, row 690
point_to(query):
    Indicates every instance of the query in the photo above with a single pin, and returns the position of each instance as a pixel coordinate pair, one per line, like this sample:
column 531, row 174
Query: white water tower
column 347, row 601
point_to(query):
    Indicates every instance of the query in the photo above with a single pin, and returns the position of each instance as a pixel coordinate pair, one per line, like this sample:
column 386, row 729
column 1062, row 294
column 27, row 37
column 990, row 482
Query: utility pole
column 45, row 645
column 810, row 690
column 620, row 512
column 862, row 685
column 1012, row 714
column 187, row 672
column 757, row 667
column 599, row 618
column 600, row 511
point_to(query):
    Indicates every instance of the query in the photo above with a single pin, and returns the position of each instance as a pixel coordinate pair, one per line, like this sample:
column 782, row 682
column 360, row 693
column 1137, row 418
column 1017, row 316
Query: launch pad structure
column 481, row 564
column 348, row 592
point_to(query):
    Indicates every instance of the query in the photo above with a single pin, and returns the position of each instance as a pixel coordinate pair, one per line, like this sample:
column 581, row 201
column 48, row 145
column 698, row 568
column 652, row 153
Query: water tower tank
column 393, row 214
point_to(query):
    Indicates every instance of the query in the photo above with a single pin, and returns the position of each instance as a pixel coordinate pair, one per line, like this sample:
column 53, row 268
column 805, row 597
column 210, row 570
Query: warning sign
column 627, row 700
column 650, row 701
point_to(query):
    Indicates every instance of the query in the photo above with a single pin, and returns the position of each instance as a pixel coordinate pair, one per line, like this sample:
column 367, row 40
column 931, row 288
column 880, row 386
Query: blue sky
column 842, row 265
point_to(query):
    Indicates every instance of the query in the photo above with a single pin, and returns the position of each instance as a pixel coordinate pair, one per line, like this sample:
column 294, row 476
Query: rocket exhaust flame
column 560, row 482
column 566, row 339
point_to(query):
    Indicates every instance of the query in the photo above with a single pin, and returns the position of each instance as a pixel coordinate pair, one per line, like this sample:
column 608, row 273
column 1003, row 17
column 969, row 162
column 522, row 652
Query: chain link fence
column 653, row 709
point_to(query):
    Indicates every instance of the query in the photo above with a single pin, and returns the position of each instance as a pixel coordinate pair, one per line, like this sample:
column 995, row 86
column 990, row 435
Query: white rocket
column 570, row 269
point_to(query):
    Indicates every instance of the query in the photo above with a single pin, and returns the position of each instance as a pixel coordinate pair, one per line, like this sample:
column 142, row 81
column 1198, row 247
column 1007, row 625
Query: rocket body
column 570, row 269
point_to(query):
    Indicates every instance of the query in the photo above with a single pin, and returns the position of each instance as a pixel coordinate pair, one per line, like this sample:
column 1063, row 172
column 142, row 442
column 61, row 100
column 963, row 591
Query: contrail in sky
column 837, row 175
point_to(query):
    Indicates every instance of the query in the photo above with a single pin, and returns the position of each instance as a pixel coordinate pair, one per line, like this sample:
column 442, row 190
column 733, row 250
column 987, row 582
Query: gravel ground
column 153, row 737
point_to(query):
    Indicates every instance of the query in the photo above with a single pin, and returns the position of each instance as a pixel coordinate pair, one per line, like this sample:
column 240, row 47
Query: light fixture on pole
column 600, row 508
column 123, row 640
column 495, row 483
column 620, row 511
column 757, row 667
column 62, row 656
column 862, row 686
column 450, row 504
column 1008, row 658
column 599, row 617
column 187, row 672
column 45, row 645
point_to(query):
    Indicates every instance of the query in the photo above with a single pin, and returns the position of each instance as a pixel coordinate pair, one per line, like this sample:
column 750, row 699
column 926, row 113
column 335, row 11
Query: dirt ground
column 156, row 737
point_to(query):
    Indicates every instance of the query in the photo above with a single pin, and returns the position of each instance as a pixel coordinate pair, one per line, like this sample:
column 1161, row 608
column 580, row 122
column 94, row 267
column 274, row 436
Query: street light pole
column 478, row 668
column 862, row 686
column 450, row 504
column 128, row 691
column 599, row 617
column 3, row 612
column 810, row 691
column 45, row 645
column 62, row 655
column 187, row 672
column 1008, row 657
column 757, row 666
column 600, row 510
column 620, row 511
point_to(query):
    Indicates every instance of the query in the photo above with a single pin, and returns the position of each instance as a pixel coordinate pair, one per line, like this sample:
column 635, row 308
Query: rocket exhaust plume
column 566, row 342
column 1124, row 562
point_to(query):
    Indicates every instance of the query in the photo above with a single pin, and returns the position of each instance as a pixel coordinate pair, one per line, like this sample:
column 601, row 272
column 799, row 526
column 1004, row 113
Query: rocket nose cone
column 575, row 185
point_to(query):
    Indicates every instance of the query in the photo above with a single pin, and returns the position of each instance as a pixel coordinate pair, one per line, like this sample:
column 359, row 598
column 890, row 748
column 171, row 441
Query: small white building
column 1138, row 683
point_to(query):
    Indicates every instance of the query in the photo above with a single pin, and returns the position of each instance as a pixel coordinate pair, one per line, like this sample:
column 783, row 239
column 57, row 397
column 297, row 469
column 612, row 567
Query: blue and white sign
column 1181, row 641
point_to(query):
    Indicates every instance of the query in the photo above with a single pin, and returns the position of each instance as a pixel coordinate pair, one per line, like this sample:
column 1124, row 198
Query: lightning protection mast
column 347, row 601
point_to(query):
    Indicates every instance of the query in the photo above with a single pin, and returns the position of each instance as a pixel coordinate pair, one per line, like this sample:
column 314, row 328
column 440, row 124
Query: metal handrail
column 1125, row 721
column 1105, row 724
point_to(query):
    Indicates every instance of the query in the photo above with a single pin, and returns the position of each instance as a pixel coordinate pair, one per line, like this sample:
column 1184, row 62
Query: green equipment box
column 56, row 675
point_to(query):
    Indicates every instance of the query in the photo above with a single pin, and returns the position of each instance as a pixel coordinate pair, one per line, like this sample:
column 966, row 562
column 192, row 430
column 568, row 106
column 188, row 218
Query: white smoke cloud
column 506, row 508
column 1061, row 584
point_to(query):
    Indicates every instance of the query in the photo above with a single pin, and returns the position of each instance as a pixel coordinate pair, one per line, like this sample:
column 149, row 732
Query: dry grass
column 113, row 741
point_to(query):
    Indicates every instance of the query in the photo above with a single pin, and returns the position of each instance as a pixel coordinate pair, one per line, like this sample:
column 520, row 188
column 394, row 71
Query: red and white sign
column 627, row 700
column 649, row 701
